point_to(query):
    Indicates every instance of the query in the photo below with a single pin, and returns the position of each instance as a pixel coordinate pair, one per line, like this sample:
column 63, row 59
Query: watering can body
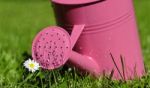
column 110, row 28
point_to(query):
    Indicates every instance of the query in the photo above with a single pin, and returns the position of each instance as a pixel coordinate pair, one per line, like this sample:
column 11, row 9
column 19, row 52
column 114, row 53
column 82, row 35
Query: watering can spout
column 52, row 47
column 84, row 63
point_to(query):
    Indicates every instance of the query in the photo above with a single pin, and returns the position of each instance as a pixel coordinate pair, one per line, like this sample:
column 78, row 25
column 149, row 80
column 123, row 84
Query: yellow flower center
column 31, row 65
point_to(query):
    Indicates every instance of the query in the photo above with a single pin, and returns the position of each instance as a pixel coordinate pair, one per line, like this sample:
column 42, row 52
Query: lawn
column 20, row 20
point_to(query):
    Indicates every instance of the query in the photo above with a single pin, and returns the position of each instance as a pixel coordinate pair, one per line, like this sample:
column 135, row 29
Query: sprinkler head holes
column 51, row 47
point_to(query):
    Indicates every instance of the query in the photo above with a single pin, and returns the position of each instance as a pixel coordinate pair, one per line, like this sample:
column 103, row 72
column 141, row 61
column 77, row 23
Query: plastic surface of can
column 110, row 32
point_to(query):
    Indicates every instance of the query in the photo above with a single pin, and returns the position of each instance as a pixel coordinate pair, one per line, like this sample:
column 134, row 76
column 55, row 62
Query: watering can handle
column 76, row 32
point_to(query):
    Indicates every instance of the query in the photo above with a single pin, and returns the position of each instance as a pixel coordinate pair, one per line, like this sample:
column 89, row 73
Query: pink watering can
column 97, row 36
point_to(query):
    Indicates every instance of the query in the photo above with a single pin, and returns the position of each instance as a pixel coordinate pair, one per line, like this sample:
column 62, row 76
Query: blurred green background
column 21, row 20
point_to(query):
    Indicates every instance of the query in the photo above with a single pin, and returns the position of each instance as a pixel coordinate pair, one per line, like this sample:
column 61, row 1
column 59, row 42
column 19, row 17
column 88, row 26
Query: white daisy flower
column 31, row 65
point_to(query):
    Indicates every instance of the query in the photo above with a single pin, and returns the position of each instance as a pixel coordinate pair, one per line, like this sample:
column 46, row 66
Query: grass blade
column 116, row 65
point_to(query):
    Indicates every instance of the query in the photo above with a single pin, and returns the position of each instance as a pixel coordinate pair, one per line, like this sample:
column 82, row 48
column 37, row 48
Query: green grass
column 19, row 23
